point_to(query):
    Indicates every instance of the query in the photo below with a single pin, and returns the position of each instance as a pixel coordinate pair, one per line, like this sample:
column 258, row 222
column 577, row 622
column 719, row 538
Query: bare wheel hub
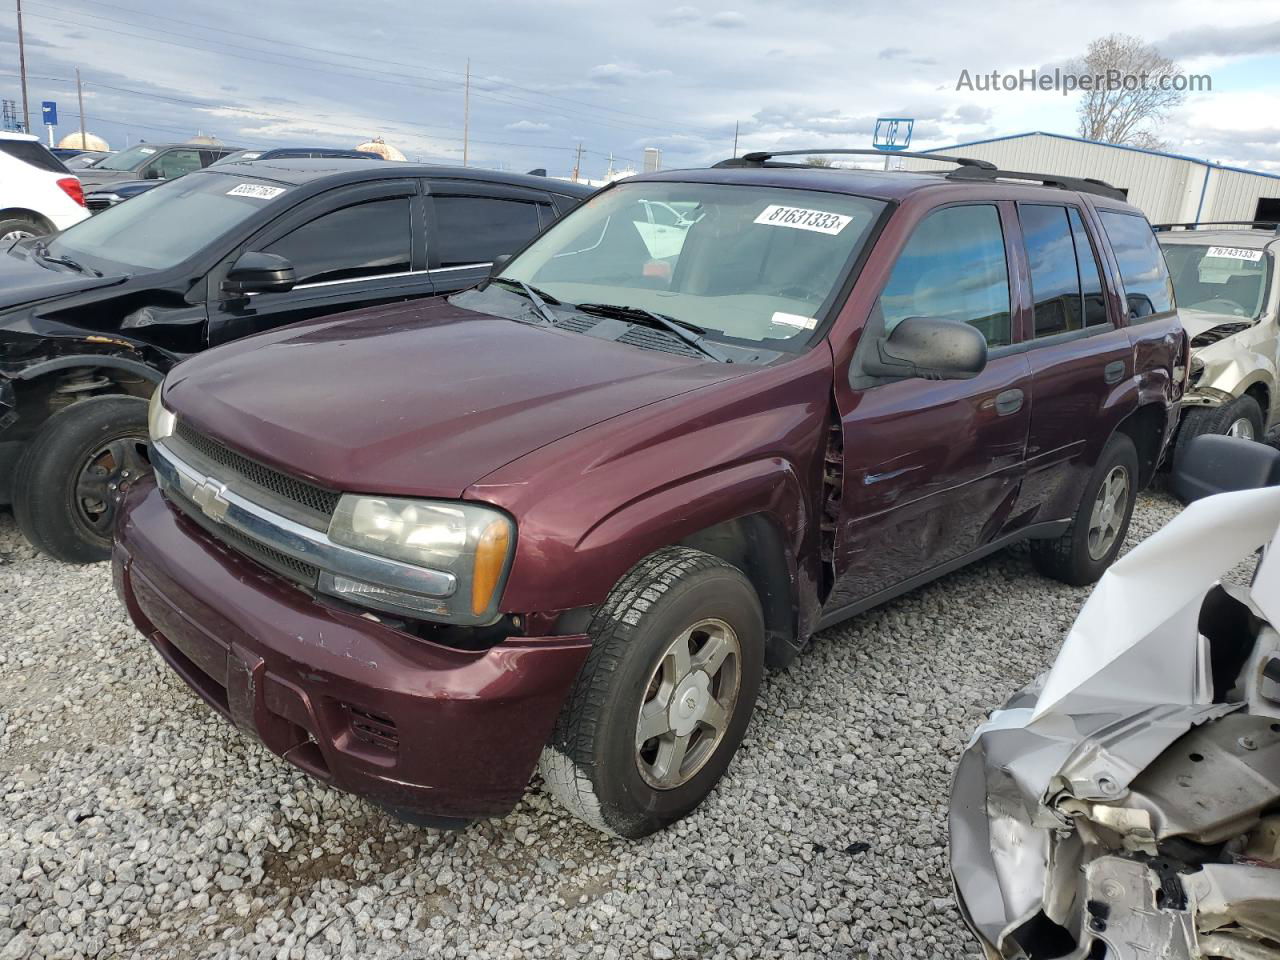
column 688, row 703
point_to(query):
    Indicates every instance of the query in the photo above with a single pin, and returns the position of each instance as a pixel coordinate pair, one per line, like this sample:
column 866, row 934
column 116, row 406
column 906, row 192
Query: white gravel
column 134, row 823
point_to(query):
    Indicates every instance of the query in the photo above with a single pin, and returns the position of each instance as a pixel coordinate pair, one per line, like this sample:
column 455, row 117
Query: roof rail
column 760, row 158
column 1080, row 184
column 1253, row 224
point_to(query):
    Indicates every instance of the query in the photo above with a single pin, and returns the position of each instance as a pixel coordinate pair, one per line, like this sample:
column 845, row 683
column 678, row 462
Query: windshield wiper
column 690, row 333
column 536, row 297
column 43, row 253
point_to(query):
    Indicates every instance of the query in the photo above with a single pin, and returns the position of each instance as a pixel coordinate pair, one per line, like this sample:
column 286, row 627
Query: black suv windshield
column 153, row 231
column 750, row 263
column 128, row 159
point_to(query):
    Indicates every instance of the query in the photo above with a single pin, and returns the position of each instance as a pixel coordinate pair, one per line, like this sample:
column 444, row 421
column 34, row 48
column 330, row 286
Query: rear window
column 1147, row 288
column 34, row 153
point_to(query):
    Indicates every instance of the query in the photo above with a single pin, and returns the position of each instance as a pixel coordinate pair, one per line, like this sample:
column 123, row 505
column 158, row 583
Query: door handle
column 1113, row 372
column 1008, row 402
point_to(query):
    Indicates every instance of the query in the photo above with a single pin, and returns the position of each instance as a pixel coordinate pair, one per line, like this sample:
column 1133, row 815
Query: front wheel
column 68, row 483
column 1097, row 531
column 1242, row 417
column 664, row 698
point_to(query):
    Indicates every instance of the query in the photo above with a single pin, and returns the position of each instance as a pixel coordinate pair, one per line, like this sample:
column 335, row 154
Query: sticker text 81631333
column 799, row 218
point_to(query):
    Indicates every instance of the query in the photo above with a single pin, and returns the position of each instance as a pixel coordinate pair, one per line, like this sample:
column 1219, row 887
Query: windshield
column 127, row 159
column 742, row 262
column 1218, row 279
column 153, row 231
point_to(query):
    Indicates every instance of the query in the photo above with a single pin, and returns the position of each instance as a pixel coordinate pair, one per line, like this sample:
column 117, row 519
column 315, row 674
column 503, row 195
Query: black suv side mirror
column 259, row 273
column 499, row 262
column 930, row 347
column 1213, row 464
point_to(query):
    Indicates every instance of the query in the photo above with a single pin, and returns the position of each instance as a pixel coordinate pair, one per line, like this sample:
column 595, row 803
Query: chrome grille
column 315, row 500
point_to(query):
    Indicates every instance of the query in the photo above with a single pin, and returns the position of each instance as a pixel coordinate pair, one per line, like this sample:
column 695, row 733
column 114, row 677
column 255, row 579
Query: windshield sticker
column 258, row 191
column 148, row 150
column 795, row 319
column 798, row 218
column 1235, row 253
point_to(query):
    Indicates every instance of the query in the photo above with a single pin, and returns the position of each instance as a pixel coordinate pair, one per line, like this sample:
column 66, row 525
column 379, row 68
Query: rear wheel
column 1242, row 417
column 67, row 485
column 665, row 695
column 19, row 228
column 1093, row 540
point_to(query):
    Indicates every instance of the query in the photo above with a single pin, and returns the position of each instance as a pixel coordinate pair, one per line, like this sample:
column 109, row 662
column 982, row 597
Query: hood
column 123, row 188
column 23, row 280
column 418, row 399
column 93, row 178
column 1206, row 329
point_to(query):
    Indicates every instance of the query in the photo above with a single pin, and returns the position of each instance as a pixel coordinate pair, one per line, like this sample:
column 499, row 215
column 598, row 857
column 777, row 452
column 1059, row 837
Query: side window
column 953, row 266
column 364, row 240
column 1147, row 287
column 175, row 163
column 1055, row 278
column 1095, row 300
column 476, row 229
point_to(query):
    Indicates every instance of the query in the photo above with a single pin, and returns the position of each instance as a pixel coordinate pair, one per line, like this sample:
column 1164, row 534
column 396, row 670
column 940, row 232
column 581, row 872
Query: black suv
column 153, row 161
column 92, row 319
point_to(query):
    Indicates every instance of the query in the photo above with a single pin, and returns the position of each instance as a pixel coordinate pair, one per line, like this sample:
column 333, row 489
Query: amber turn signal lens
column 491, row 557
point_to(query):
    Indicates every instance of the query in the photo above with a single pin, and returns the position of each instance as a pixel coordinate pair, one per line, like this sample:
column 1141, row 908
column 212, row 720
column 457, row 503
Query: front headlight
column 471, row 542
column 160, row 419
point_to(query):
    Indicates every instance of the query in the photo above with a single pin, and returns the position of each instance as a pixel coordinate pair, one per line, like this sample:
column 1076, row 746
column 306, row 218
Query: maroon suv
column 571, row 514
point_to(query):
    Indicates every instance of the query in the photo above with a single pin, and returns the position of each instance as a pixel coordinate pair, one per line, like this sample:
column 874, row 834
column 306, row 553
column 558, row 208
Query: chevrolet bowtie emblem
column 208, row 496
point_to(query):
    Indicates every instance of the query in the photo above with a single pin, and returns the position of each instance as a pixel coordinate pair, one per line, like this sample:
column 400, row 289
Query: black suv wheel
column 70, row 478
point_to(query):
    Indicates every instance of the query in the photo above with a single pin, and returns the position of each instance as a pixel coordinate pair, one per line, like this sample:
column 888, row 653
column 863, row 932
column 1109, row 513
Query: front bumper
column 425, row 730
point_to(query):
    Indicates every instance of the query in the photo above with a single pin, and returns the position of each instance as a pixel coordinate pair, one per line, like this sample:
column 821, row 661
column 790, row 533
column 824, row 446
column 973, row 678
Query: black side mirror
column 499, row 264
column 930, row 347
column 1213, row 464
column 259, row 273
column 153, row 173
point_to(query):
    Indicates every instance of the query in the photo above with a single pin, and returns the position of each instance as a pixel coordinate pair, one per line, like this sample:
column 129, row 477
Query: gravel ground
column 134, row 823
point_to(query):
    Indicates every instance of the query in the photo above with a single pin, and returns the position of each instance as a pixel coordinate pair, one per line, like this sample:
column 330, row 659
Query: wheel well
column 1145, row 427
column 25, row 214
column 1260, row 393
column 44, row 395
column 754, row 545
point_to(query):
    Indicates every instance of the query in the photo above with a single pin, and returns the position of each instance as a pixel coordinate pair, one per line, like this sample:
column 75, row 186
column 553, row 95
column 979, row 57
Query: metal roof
column 1114, row 146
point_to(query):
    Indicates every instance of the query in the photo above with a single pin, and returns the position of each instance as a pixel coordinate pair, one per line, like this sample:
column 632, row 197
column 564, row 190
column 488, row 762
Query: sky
column 551, row 75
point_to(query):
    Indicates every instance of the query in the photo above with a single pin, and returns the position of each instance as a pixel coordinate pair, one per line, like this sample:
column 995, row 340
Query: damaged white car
column 1127, row 804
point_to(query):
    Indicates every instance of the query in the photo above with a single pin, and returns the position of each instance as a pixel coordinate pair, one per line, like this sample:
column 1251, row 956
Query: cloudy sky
column 617, row 77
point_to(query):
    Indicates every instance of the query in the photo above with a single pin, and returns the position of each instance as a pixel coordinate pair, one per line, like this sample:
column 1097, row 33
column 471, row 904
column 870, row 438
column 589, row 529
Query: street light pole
column 22, row 70
column 84, row 145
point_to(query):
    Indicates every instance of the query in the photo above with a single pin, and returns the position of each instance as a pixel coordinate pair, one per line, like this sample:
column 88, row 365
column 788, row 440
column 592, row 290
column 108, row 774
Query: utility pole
column 22, row 70
column 466, row 112
column 84, row 144
column 577, row 163
column 735, row 138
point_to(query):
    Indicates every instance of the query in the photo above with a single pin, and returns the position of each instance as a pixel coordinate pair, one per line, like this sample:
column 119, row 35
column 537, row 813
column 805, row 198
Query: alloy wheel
column 688, row 704
column 1108, row 512
column 1242, row 428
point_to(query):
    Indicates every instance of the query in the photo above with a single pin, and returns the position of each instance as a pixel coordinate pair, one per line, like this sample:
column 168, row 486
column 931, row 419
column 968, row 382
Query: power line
column 275, row 42
column 327, row 69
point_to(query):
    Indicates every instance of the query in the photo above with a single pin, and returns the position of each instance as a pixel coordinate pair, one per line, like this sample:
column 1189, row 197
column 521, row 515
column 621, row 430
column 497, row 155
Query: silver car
column 1223, row 280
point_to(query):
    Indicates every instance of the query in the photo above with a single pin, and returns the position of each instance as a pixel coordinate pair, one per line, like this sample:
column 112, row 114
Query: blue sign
column 50, row 111
column 893, row 133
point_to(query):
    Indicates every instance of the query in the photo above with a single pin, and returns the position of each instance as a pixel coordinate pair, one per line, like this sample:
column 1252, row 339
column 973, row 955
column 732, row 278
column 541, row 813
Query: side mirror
column 930, row 347
column 153, row 173
column 1213, row 464
column 499, row 264
column 259, row 273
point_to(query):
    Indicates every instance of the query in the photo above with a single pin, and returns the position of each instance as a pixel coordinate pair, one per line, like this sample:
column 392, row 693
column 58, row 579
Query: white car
column 38, row 195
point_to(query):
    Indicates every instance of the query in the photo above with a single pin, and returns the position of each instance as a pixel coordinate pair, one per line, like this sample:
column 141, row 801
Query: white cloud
column 728, row 19
column 524, row 125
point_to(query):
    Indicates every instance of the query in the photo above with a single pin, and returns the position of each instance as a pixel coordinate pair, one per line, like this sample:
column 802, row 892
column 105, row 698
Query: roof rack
column 1079, row 184
column 967, row 168
column 760, row 158
column 1253, row 224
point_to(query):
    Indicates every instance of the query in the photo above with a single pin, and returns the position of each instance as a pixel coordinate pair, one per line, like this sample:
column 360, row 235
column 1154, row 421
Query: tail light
column 71, row 187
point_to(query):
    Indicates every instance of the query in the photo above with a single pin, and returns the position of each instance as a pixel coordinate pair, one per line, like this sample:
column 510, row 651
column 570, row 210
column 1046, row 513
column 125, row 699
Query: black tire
column 63, row 498
column 1068, row 558
column 1201, row 420
column 593, row 763
column 22, row 225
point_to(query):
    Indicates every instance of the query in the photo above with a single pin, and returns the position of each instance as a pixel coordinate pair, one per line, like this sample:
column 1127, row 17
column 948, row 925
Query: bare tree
column 819, row 161
column 1125, row 112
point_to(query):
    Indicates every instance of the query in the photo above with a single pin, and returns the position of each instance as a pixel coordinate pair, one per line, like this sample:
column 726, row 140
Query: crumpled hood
column 417, row 399
column 23, row 280
column 1212, row 327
